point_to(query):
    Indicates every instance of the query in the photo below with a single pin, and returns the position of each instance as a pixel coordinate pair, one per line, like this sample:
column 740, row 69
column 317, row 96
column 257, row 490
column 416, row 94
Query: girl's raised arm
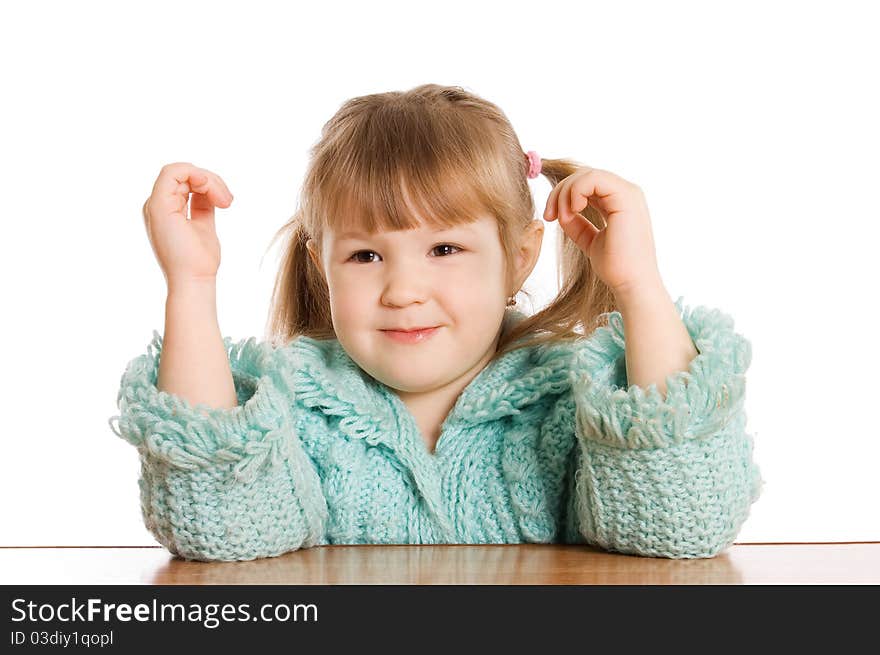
column 194, row 364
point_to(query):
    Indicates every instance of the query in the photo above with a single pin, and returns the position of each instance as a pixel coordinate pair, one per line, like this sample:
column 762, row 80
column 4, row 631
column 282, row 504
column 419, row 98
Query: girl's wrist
column 192, row 287
column 649, row 290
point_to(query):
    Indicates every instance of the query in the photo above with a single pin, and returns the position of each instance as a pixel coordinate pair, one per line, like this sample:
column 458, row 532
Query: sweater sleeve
column 657, row 477
column 223, row 484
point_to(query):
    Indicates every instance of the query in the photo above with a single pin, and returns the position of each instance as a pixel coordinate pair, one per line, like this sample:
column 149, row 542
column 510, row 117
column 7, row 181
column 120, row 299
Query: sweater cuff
column 699, row 402
column 252, row 436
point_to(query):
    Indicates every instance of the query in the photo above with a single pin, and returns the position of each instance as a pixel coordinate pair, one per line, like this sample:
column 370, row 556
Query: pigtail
column 583, row 299
column 300, row 302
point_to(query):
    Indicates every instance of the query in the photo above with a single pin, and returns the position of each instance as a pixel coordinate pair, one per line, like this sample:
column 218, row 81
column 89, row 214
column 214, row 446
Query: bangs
column 412, row 168
column 383, row 195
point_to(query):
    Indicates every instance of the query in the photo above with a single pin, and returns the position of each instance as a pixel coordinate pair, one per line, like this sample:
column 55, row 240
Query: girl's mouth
column 415, row 336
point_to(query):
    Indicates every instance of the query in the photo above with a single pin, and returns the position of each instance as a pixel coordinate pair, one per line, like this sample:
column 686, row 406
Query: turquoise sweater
column 546, row 445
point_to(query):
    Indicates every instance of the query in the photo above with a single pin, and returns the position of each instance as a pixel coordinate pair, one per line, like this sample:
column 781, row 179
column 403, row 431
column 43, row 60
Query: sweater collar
column 329, row 378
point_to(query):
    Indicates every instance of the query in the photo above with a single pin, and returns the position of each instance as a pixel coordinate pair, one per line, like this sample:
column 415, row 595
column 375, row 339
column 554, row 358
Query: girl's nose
column 405, row 285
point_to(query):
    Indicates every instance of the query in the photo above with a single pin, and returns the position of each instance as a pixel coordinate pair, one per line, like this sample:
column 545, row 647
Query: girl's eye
column 357, row 256
column 447, row 245
column 361, row 252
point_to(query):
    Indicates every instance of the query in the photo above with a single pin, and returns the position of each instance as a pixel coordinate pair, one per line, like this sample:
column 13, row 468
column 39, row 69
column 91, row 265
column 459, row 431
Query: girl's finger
column 607, row 191
column 564, row 209
column 577, row 198
column 215, row 190
column 171, row 177
column 224, row 190
column 201, row 182
column 570, row 202
column 549, row 213
column 217, row 195
column 576, row 227
column 550, row 210
column 182, row 178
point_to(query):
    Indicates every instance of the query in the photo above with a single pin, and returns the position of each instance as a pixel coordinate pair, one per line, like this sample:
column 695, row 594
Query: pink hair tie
column 534, row 164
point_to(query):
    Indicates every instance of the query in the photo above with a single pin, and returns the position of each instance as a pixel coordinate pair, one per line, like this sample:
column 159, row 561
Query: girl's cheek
column 351, row 290
column 345, row 279
column 347, row 289
column 487, row 272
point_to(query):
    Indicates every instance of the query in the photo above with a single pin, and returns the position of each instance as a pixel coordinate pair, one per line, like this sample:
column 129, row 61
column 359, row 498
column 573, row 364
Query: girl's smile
column 411, row 336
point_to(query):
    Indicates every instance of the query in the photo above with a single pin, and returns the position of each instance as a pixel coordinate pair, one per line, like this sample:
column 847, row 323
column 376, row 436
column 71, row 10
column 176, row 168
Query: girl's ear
column 527, row 255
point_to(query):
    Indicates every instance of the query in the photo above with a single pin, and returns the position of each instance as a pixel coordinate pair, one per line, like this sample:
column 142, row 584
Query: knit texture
column 547, row 444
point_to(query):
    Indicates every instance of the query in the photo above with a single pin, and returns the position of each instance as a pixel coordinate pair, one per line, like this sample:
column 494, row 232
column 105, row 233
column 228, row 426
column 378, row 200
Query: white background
column 752, row 128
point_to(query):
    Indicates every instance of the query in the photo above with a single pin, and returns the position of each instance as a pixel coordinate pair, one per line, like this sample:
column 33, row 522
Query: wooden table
column 528, row 564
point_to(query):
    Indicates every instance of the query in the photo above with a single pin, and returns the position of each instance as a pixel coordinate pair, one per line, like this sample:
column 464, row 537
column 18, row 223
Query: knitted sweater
column 546, row 444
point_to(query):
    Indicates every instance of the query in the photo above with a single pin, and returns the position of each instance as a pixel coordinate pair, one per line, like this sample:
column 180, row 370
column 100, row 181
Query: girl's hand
column 185, row 249
column 623, row 253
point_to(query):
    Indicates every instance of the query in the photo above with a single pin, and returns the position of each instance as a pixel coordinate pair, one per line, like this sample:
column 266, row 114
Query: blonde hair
column 447, row 155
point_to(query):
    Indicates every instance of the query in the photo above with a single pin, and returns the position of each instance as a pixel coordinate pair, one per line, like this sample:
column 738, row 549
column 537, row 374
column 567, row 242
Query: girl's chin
column 412, row 377
column 411, row 383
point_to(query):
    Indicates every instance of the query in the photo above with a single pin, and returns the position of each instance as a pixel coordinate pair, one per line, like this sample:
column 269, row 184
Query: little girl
column 402, row 398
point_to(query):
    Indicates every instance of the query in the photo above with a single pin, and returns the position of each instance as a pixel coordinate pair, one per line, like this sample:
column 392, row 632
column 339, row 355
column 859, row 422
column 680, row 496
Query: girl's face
column 449, row 279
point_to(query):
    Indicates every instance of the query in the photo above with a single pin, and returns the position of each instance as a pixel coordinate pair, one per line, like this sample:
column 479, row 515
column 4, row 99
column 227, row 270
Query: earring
column 511, row 301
